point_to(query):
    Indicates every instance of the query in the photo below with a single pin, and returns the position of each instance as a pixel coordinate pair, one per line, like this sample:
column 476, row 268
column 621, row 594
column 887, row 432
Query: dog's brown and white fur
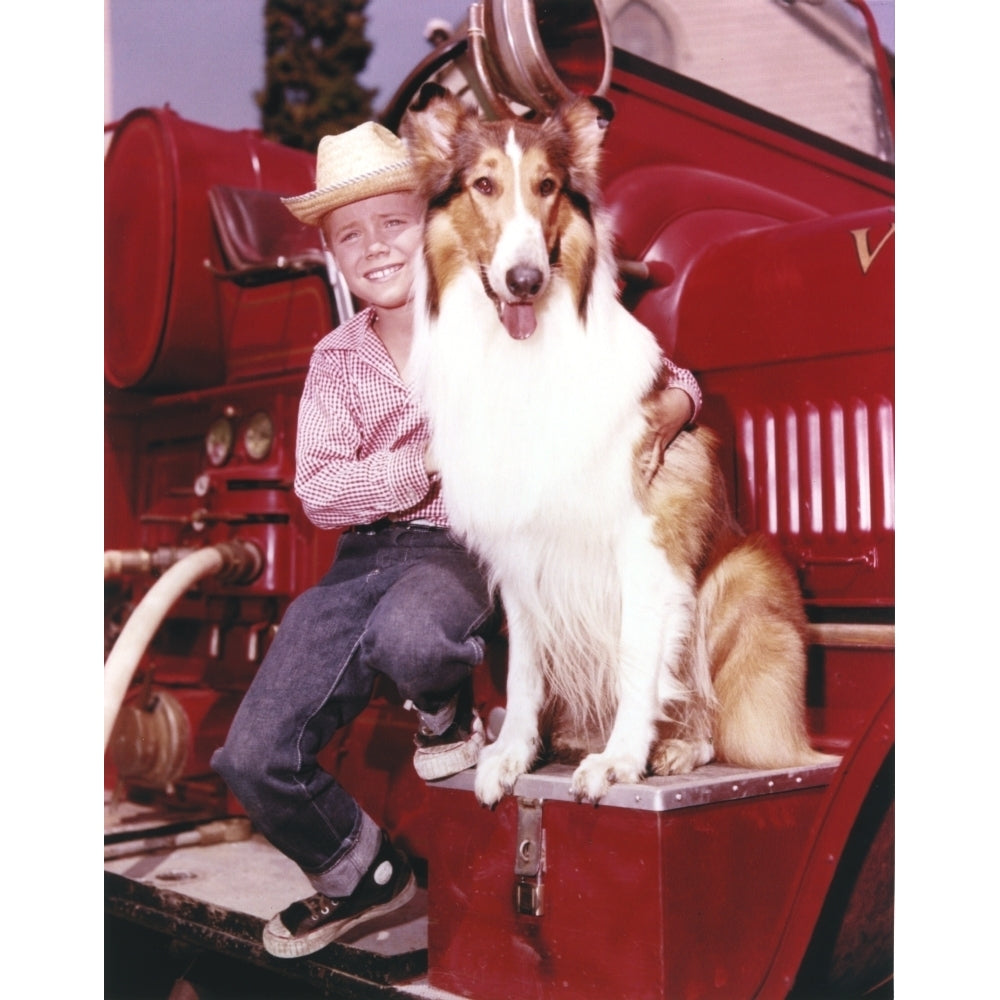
column 644, row 632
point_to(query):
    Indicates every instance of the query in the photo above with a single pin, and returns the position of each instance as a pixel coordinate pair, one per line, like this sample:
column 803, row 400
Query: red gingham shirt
column 359, row 456
column 361, row 437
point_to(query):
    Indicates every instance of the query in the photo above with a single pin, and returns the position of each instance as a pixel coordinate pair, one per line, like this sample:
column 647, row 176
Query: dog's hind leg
column 657, row 607
column 685, row 738
column 503, row 762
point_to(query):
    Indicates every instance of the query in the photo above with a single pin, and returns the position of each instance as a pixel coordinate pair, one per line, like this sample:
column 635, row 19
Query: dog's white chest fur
column 528, row 431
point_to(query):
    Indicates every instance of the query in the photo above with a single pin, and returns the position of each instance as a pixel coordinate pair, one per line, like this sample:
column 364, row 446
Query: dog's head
column 512, row 199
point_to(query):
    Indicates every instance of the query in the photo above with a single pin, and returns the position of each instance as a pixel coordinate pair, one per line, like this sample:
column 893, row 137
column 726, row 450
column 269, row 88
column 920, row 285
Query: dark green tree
column 315, row 50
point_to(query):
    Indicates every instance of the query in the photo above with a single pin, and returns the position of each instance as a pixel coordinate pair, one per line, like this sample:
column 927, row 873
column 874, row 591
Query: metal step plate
column 711, row 783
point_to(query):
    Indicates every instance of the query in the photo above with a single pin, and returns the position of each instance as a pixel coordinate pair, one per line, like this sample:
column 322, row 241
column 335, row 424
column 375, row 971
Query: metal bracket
column 529, row 858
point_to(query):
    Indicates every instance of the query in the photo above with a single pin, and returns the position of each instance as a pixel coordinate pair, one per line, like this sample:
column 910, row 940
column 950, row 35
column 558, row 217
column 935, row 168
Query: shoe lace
column 320, row 905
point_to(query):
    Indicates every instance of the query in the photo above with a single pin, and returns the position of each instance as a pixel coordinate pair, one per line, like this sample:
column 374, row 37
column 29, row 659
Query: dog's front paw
column 599, row 771
column 680, row 756
column 499, row 768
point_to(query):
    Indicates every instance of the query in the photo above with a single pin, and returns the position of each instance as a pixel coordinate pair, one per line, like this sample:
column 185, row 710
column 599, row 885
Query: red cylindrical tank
column 162, row 328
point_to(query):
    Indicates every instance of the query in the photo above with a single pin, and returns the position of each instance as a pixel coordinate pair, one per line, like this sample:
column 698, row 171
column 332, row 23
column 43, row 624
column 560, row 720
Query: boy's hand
column 667, row 411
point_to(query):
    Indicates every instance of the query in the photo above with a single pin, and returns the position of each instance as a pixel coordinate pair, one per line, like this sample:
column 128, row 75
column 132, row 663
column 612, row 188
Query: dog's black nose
column 524, row 281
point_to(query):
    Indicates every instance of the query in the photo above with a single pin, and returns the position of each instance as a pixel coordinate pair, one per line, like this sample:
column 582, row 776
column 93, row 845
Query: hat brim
column 311, row 207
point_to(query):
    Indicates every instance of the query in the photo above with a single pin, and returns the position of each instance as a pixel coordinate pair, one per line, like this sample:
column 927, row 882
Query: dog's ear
column 584, row 121
column 428, row 92
column 430, row 130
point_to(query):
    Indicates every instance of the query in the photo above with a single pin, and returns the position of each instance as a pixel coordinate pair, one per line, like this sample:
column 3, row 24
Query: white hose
column 142, row 624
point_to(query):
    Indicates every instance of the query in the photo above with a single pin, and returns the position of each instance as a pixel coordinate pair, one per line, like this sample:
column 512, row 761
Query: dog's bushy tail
column 750, row 611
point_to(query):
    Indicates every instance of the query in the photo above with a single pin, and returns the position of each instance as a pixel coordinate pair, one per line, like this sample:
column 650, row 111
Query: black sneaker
column 311, row 924
column 457, row 748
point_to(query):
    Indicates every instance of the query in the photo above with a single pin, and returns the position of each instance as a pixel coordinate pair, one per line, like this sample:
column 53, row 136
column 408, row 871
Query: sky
column 205, row 57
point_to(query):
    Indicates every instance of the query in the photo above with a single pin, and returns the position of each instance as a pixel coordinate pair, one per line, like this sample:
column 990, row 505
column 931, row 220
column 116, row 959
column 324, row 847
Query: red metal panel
column 845, row 683
column 271, row 330
column 636, row 904
column 809, row 289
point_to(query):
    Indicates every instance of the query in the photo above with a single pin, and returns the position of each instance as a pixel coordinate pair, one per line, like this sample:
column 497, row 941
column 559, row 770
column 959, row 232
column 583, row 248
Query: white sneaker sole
column 281, row 943
column 435, row 763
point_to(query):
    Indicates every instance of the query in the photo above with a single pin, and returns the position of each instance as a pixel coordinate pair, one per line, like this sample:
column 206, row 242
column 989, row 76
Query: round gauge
column 258, row 436
column 219, row 441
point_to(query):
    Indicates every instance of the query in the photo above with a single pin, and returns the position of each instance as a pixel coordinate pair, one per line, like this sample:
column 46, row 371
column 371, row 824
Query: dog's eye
column 484, row 185
column 547, row 187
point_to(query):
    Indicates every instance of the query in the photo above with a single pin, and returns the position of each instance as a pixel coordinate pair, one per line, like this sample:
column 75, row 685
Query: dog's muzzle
column 523, row 281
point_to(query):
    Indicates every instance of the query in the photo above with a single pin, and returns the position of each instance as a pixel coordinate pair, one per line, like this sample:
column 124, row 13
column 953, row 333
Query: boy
column 403, row 597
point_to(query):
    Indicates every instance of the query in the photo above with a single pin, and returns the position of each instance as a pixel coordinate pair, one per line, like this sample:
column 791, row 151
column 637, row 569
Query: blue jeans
column 410, row 603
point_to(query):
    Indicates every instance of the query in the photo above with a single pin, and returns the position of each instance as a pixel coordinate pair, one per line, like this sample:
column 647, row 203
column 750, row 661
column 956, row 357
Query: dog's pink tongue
column 519, row 319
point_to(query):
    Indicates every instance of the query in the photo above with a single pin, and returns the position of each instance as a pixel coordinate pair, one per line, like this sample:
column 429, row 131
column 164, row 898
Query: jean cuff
column 347, row 871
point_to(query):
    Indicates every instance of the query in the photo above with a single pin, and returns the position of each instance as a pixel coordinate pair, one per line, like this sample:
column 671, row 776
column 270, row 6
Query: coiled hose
column 237, row 561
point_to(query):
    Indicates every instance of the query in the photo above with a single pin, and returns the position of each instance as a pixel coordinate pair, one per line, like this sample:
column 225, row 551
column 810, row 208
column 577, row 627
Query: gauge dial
column 219, row 441
column 258, row 436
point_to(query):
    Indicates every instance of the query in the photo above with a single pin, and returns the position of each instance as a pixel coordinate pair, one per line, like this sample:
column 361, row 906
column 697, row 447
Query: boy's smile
column 374, row 241
column 382, row 273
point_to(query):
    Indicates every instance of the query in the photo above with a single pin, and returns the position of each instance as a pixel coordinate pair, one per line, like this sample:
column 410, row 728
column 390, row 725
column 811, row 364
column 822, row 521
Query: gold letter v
column 866, row 256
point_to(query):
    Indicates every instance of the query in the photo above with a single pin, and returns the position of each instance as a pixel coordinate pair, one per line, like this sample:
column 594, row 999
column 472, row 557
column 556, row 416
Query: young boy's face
column 374, row 242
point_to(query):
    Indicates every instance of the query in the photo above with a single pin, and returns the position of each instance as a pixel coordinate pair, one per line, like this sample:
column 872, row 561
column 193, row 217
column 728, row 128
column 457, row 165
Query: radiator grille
column 817, row 470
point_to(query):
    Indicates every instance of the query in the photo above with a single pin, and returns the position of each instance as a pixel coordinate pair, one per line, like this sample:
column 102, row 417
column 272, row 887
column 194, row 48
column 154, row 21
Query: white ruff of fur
column 534, row 440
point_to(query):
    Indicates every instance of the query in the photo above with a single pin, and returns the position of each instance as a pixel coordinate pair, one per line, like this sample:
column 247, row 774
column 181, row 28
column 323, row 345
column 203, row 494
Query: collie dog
column 644, row 632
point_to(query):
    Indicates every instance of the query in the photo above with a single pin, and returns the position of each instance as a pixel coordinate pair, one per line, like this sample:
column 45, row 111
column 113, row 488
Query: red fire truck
column 749, row 171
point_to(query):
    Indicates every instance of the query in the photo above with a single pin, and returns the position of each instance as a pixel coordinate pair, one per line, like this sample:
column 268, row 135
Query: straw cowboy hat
column 366, row 161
